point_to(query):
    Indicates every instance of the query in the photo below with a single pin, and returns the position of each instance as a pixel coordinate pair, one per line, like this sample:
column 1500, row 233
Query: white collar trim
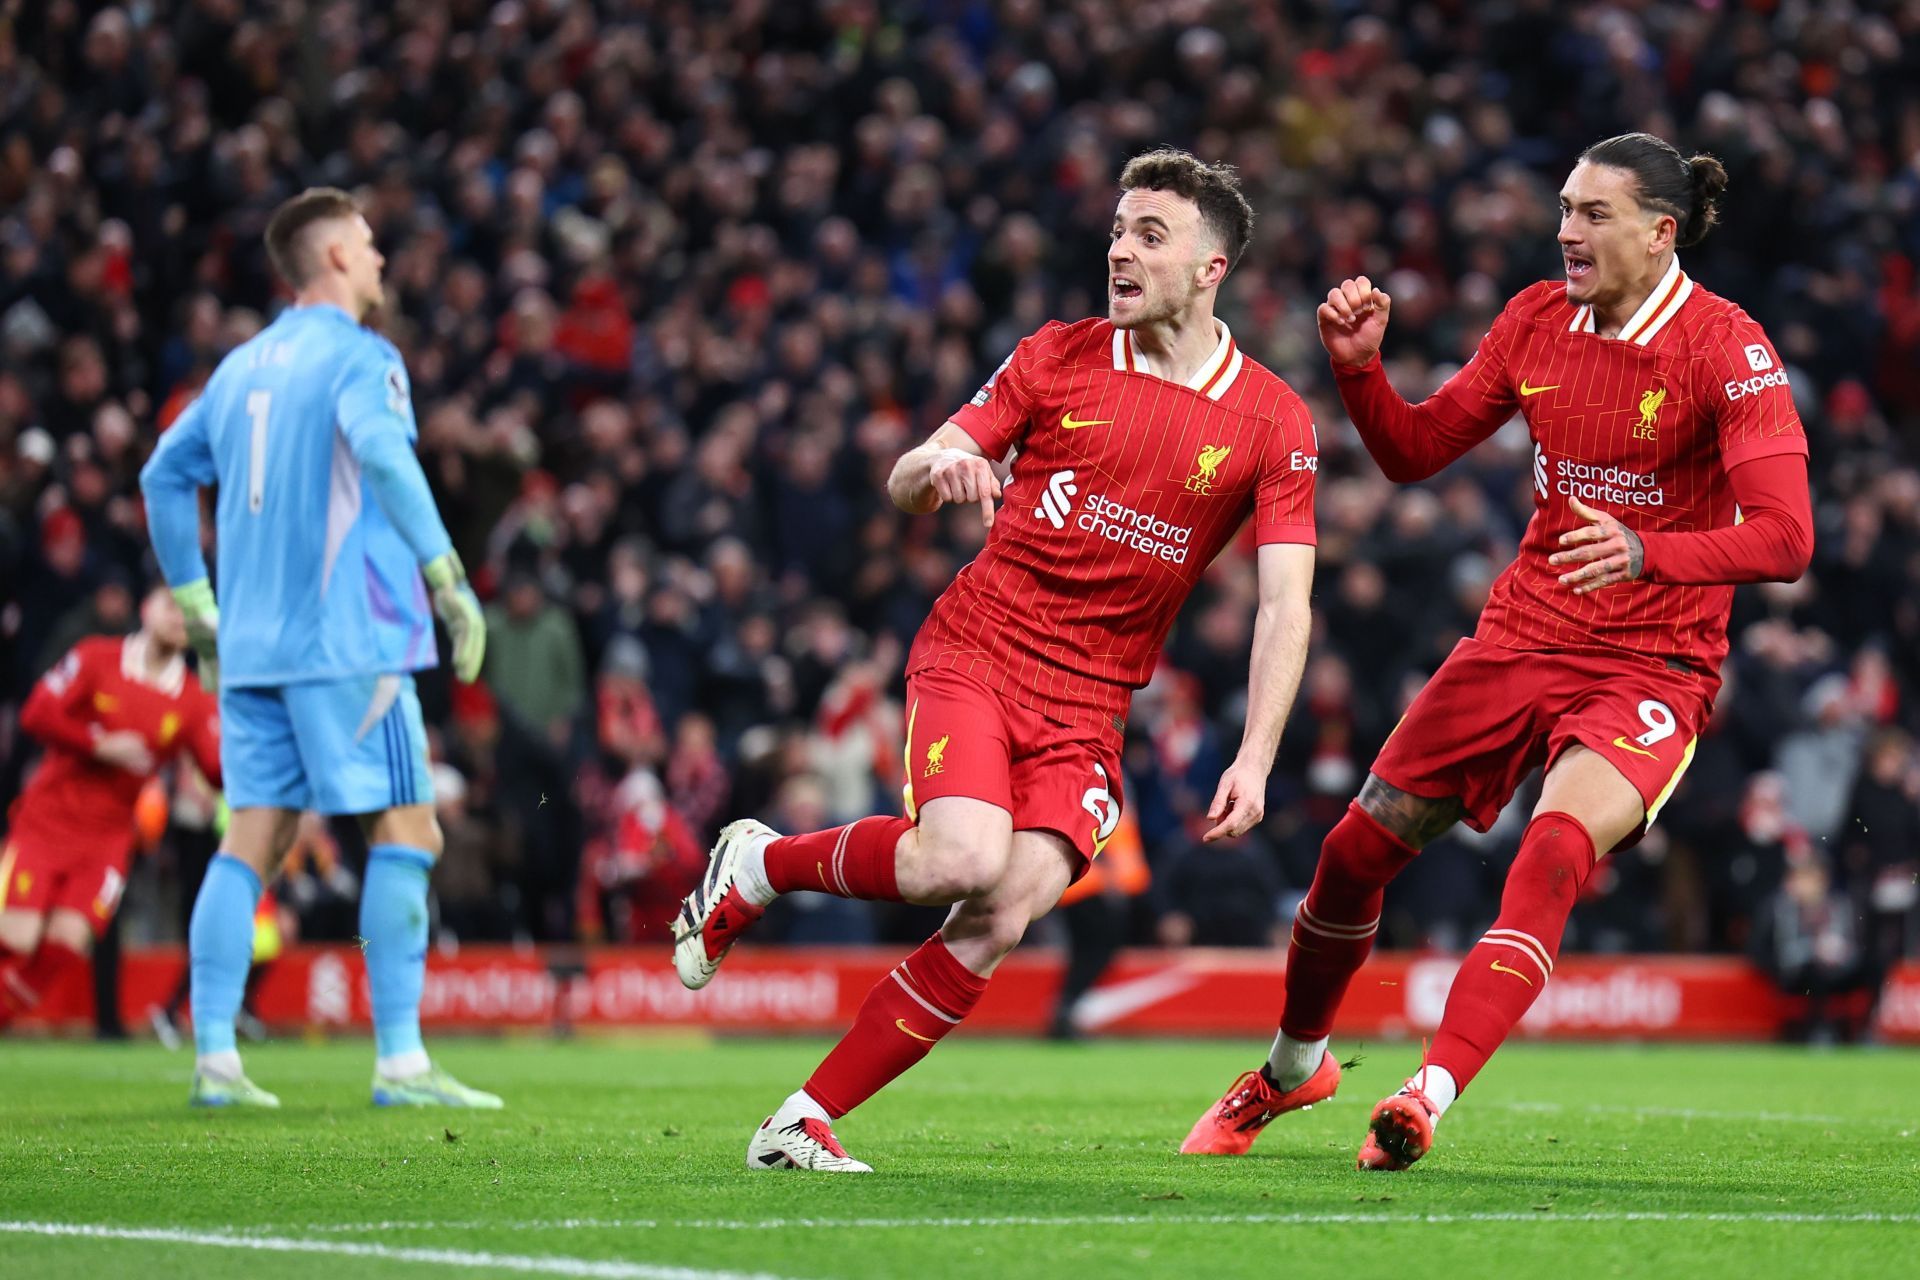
column 1215, row 374
column 133, row 665
column 1659, row 308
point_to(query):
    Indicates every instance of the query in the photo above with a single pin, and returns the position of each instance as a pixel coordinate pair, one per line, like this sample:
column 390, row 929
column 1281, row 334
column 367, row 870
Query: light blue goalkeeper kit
column 323, row 520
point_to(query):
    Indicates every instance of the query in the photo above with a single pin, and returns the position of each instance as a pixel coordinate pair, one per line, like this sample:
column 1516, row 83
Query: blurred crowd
column 677, row 282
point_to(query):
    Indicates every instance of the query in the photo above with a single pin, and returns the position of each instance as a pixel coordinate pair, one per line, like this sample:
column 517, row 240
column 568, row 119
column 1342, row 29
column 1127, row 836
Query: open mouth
column 1577, row 268
column 1123, row 287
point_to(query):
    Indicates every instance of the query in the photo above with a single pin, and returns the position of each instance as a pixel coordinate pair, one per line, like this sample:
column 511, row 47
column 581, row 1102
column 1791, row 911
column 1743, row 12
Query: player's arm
column 1410, row 441
column 956, row 464
column 949, row 467
column 58, row 714
column 182, row 465
column 1281, row 626
column 1772, row 543
column 1762, row 445
column 375, row 409
column 56, row 710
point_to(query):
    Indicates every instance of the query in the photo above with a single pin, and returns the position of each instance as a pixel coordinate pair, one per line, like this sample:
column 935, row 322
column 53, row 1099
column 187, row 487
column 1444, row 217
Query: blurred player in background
column 1141, row 443
column 1598, row 652
column 110, row 714
column 325, row 525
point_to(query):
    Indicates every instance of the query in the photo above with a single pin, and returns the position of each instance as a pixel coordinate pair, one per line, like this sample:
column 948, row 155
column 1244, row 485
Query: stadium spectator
column 1808, row 940
column 534, row 666
column 632, row 882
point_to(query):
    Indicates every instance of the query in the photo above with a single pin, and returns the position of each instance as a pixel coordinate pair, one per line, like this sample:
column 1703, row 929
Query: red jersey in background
column 77, row 806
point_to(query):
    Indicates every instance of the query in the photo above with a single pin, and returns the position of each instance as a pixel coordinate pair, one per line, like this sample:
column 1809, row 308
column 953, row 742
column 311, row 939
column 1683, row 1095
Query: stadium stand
column 677, row 282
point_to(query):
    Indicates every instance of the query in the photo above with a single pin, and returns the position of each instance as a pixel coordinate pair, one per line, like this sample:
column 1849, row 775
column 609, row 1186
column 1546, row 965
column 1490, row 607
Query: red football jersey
column 101, row 687
column 1123, row 489
column 1643, row 427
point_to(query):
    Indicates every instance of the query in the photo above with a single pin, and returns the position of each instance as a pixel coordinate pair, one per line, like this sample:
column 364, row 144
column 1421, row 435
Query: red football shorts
column 963, row 739
column 1490, row 716
column 35, row 877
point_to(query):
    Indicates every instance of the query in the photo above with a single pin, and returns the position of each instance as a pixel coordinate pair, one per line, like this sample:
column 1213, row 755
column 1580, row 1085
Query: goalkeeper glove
column 203, row 627
column 459, row 608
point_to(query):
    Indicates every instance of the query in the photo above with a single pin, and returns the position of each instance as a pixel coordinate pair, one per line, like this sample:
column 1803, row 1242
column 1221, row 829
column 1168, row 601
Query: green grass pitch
column 623, row 1158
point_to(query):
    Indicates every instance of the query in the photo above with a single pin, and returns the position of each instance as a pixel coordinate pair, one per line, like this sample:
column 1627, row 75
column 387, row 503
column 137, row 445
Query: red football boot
column 1231, row 1124
column 714, row 915
column 1400, row 1132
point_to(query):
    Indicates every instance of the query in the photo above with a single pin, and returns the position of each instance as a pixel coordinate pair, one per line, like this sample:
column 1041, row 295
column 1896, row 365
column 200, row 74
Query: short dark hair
column 286, row 230
column 1686, row 188
column 1215, row 188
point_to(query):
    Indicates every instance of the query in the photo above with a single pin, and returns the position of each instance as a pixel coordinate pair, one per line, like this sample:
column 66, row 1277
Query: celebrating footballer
column 1669, row 465
column 1139, row 444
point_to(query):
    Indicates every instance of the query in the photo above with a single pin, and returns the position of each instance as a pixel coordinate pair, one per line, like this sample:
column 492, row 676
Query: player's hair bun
column 1709, row 180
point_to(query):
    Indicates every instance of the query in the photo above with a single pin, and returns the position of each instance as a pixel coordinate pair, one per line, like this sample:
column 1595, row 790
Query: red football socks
column 854, row 861
column 1508, row 967
column 903, row 1017
column 1333, row 930
column 23, row 982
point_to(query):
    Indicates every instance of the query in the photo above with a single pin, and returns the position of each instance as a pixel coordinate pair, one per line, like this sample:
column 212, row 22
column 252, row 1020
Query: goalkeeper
column 329, row 552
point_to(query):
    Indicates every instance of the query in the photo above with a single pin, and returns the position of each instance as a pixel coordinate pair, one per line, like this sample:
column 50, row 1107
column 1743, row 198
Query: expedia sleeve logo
column 1740, row 388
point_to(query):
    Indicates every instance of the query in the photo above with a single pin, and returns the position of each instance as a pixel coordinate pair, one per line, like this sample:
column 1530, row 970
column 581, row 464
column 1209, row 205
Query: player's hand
column 124, row 749
column 1607, row 552
column 202, row 617
column 457, row 606
column 1239, row 802
column 1353, row 321
column 959, row 476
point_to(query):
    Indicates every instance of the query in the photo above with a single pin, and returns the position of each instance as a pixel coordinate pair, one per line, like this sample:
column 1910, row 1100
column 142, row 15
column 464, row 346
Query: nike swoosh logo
column 1070, row 423
column 1526, row 390
column 1622, row 743
column 1500, row 968
column 902, row 1024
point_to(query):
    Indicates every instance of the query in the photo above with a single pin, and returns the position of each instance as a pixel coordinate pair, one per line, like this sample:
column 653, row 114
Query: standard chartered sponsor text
column 1617, row 485
column 1141, row 530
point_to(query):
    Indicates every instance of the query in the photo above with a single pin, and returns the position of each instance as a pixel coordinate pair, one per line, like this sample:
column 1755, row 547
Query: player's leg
column 23, row 918
column 1586, row 808
column 220, row 942
column 1456, row 755
column 363, row 743
column 266, row 789
column 30, row 971
column 914, row 1007
column 403, row 844
column 1332, row 936
column 53, row 901
column 956, row 749
column 1620, row 740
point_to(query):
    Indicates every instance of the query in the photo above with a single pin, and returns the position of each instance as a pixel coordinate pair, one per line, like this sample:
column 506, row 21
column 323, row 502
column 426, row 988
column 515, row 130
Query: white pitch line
column 547, row 1266
column 1125, row 1220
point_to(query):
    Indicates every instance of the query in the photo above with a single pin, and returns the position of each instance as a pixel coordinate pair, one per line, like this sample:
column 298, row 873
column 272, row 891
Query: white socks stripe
column 1526, row 943
column 920, row 999
column 1346, row 931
